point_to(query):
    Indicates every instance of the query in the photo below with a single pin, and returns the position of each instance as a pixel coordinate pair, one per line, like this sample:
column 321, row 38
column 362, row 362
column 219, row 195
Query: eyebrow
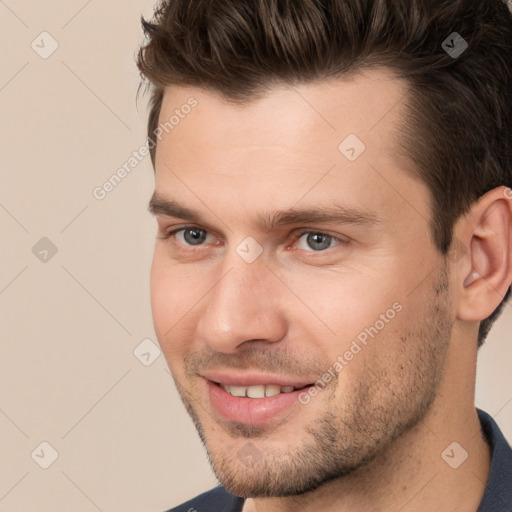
column 158, row 205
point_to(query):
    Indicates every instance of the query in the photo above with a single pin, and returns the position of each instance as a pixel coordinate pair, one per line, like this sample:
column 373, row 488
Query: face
column 301, row 305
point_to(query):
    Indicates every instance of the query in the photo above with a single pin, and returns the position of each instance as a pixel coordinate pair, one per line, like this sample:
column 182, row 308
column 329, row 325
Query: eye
column 190, row 236
column 316, row 241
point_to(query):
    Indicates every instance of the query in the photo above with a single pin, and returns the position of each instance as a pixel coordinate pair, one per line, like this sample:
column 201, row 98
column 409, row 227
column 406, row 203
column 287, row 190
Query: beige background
column 69, row 325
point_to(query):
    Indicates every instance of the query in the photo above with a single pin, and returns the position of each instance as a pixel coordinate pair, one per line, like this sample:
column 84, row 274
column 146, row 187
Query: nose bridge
column 242, row 306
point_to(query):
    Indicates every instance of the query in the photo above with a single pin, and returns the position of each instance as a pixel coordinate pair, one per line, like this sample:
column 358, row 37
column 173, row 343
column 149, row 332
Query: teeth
column 257, row 391
column 236, row 390
column 272, row 390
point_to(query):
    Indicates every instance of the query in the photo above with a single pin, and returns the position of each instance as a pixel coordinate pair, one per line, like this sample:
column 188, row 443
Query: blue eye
column 316, row 241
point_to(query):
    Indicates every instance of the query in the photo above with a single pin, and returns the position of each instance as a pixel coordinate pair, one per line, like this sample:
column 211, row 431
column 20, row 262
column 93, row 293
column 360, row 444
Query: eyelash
column 170, row 234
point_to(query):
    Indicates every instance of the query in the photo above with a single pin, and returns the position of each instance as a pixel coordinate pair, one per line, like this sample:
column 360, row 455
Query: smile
column 254, row 404
column 258, row 391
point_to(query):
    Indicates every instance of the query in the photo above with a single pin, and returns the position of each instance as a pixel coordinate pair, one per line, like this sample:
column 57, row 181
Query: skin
column 372, row 439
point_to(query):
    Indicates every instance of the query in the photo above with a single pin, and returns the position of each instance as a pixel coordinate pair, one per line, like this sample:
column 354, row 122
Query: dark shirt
column 498, row 492
column 497, row 496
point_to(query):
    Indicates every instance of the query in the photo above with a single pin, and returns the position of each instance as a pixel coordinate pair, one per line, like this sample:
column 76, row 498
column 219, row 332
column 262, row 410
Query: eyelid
column 169, row 223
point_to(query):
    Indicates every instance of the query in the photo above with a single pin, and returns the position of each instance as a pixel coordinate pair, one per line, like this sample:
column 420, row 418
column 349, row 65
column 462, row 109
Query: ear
column 484, row 273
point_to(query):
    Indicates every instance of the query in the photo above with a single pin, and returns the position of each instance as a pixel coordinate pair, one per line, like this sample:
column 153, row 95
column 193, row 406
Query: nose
column 244, row 307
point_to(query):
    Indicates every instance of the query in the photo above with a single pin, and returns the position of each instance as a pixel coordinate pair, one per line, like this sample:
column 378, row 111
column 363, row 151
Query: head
column 324, row 203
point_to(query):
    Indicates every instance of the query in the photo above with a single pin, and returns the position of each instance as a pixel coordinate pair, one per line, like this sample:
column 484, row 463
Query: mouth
column 252, row 401
column 258, row 391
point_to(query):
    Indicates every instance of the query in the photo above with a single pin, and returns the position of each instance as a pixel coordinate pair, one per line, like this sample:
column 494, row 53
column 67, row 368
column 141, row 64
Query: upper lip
column 254, row 379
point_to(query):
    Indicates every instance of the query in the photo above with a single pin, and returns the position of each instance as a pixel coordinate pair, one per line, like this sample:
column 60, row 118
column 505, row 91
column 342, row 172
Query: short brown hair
column 457, row 130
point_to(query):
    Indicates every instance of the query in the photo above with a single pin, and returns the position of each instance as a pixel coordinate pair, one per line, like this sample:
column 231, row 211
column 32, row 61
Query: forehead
column 368, row 104
column 294, row 143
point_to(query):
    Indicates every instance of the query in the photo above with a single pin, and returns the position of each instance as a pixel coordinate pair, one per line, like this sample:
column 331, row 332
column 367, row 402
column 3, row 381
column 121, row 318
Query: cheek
column 173, row 296
column 343, row 303
column 365, row 314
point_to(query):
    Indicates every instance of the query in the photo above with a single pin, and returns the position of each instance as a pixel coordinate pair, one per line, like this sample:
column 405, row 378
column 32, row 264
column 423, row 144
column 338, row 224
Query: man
column 334, row 243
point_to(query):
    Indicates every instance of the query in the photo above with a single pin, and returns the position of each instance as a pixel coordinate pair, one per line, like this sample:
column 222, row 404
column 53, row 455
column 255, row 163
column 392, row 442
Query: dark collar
column 498, row 492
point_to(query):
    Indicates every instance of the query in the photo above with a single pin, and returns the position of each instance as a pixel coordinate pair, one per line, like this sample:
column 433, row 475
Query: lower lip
column 253, row 411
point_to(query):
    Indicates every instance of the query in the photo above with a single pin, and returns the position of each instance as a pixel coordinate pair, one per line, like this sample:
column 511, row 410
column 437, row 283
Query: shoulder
column 214, row 500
